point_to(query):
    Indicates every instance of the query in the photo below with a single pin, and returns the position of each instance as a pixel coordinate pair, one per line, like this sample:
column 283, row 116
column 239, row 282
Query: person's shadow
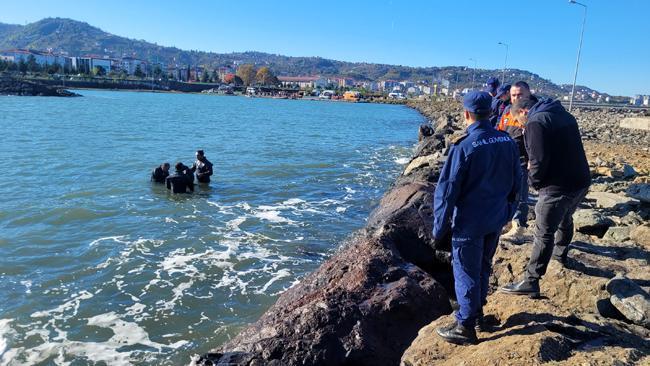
column 575, row 333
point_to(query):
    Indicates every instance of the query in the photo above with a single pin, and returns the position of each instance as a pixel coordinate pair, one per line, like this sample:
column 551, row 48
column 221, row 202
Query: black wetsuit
column 203, row 170
column 180, row 183
column 158, row 175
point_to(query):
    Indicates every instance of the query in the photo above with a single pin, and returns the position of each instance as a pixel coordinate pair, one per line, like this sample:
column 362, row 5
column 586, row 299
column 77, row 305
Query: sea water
column 100, row 266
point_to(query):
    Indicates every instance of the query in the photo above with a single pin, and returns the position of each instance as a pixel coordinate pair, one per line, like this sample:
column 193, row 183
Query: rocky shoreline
column 19, row 87
column 378, row 299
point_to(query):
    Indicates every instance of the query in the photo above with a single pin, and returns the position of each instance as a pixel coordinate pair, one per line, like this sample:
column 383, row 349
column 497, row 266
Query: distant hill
column 79, row 38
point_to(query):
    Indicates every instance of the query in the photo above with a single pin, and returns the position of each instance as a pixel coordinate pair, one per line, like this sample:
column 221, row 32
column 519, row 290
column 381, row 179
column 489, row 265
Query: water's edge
column 387, row 272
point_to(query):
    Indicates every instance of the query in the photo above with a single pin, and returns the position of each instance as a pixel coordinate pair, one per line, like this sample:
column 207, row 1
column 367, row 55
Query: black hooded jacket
column 556, row 155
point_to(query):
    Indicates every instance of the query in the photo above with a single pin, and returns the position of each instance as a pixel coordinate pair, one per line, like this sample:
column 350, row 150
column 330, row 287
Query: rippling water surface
column 99, row 266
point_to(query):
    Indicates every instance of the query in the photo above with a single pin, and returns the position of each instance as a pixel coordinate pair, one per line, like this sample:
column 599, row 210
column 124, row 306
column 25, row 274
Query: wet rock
column 630, row 299
column 13, row 86
column 641, row 235
column 420, row 162
column 611, row 200
column 591, row 222
column 640, row 191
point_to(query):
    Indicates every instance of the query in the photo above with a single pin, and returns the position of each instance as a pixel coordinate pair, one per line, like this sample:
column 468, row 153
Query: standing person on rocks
column 475, row 196
column 515, row 129
column 491, row 86
column 202, row 167
column 558, row 169
column 499, row 104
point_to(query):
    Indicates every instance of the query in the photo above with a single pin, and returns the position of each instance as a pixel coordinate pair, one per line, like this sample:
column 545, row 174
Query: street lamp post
column 473, row 70
column 582, row 32
column 503, row 76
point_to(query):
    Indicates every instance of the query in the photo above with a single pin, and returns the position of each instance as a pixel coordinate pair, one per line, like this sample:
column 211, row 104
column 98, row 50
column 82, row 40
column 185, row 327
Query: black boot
column 481, row 324
column 458, row 334
column 525, row 287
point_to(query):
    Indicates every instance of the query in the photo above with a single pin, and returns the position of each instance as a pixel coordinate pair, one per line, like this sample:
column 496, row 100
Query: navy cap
column 493, row 81
column 503, row 89
column 491, row 85
column 478, row 102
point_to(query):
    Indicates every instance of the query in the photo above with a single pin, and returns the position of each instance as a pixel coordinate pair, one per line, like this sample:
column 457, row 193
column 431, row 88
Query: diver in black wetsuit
column 160, row 174
column 181, row 181
column 203, row 167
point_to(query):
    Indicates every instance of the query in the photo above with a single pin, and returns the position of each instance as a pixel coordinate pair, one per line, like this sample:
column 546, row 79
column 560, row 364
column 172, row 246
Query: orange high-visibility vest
column 507, row 120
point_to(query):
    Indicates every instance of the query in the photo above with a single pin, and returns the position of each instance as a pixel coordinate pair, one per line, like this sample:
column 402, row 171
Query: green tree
column 157, row 72
column 215, row 76
column 264, row 76
column 138, row 72
column 54, row 68
column 247, row 73
column 22, row 66
column 99, row 71
column 12, row 66
column 32, row 65
column 205, row 76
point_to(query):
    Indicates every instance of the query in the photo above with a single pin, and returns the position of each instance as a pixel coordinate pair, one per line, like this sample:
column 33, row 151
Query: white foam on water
column 5, row 332
column 72, row 304
column 341, row 209
column 293, row 201
column 234, row 223
column 178, row 294
column 169, row 220
column 402, row 161
column 28, row 286
column 111, row 352
column 113, row 238
column 350, row 190
column 273, row 216
column 280, row 274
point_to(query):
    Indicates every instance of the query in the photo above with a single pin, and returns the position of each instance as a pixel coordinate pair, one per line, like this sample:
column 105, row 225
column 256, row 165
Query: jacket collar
column 479, row 125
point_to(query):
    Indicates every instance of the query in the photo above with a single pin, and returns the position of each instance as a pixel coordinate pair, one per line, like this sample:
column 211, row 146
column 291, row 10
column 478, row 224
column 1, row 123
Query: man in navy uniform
column 476, row 195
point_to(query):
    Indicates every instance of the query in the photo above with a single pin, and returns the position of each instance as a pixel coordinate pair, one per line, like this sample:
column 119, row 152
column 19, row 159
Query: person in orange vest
column 515, row 129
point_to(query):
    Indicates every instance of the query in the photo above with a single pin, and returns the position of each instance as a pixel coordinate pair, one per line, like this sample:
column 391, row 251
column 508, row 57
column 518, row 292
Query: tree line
column 245, row 75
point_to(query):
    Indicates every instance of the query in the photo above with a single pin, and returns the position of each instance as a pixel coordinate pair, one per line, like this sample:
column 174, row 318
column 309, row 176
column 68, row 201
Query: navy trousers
column 472, row 266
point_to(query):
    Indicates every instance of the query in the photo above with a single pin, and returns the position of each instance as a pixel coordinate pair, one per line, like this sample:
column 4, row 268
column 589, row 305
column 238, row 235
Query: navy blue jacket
column 497, row 109
column 478, row 188
column 557, row 157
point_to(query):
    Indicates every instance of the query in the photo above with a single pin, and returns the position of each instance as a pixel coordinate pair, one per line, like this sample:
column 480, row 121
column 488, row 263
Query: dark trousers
column 553, row 229
column 521, row 215
column 472, row 266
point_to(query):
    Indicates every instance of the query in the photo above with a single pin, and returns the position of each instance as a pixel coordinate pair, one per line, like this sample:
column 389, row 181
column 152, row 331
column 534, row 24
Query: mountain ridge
column 78, row 38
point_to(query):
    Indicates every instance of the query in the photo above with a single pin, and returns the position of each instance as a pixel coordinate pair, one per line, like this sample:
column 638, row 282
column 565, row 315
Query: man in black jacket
column 180, row 182
column 161, row 173
column 558, row 169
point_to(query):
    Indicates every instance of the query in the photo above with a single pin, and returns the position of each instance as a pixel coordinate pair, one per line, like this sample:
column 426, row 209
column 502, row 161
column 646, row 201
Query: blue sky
column 542, row 35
